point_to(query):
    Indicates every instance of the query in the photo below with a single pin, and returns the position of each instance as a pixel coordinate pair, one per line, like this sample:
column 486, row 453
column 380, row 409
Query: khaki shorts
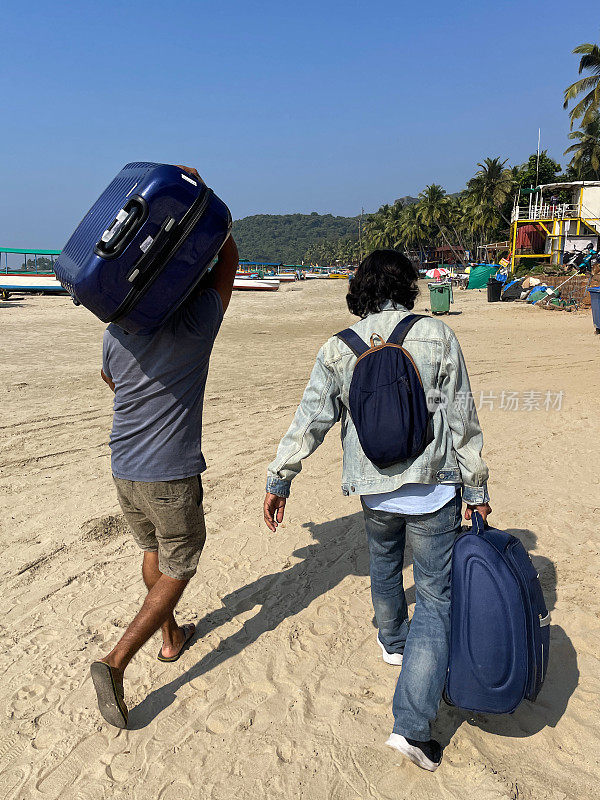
column 166, row 517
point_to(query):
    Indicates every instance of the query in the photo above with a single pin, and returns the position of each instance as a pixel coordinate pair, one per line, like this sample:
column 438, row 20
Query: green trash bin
column 440, row 297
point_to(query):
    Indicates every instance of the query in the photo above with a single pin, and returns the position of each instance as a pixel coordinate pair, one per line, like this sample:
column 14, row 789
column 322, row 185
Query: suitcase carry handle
column 156, row 257
column 478, row 524
column 123, row 228
column 155, row 247
column 168, row 232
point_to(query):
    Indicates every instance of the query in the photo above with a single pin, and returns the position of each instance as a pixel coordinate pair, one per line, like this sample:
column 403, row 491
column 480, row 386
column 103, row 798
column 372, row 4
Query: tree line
column 293, row 238
column 479, row 214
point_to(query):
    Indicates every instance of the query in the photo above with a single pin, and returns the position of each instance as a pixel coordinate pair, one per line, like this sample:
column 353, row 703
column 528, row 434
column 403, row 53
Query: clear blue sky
column 282, row 106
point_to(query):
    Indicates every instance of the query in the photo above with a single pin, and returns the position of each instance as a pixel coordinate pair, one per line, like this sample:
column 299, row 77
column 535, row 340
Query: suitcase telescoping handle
column 123, row 228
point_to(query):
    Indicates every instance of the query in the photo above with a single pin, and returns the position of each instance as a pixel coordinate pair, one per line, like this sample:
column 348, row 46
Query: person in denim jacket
column 417, row 500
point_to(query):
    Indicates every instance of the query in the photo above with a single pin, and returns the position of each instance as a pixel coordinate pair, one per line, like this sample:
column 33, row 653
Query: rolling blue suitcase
column 499, row 634
column 143, row 246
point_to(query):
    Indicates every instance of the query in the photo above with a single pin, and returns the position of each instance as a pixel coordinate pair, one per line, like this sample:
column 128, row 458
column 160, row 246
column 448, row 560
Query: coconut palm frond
column 586, row 150
column 590, row 103
column 581, row 85
column 586, row 107
column 591, row 61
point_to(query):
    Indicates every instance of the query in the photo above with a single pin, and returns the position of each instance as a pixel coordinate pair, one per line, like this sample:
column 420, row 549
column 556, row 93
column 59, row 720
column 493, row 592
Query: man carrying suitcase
column 156, row 460
column 412, row 445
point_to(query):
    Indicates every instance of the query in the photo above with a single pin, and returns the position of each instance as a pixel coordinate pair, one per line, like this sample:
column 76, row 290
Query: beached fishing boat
column 255, row 284
column 15, row 283
column 282, row 277
column 22, row 283
column 38, row 279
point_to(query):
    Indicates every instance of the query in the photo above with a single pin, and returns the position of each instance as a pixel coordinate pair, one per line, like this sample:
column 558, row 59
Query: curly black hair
column 382, row 275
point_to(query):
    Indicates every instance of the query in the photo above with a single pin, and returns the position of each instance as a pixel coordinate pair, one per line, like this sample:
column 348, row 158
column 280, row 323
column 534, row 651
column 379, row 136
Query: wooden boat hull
column 255, row 285
column 48, row 284
column 28, row 284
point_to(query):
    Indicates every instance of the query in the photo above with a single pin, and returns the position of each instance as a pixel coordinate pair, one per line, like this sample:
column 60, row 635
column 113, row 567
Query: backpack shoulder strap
column 398, row 335
column 353, row 340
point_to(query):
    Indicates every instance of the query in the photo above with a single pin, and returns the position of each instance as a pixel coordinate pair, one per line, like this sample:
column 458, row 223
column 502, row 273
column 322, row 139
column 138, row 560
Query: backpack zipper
column 390, row 344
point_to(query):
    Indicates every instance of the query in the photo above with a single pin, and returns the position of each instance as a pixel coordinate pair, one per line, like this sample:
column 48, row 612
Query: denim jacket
column 452, row 457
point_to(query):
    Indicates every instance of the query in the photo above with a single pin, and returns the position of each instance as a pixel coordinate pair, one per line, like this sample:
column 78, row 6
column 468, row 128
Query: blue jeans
column 425, row 642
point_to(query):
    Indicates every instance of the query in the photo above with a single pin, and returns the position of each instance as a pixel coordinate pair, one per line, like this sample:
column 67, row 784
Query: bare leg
column 172, row 634
column 156, row 610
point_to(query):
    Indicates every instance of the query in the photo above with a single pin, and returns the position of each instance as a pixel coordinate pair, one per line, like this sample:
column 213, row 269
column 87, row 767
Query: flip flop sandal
column 188, row 633
column 109, row 690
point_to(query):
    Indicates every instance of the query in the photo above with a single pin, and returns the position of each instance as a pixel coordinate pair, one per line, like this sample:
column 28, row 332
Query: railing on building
column 547, row 211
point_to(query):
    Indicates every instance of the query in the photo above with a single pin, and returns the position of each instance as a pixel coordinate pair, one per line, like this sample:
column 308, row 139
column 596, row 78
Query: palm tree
column 468, row 219
column 392, row 223
column 413, row 232
column 436, row 210
column 586, row 150
column 382, row 228
column 457, row 221
column 492, row 184
column 433, row 206
column 375, row 231
column 480, row 219
column 590, row 102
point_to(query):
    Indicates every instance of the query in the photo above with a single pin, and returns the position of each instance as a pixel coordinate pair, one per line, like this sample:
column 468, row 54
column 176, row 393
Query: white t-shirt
column 412, row 498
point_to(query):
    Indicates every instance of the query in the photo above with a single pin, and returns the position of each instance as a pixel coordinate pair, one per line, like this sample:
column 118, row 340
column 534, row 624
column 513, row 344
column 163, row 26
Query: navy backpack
column 499, row 629
column 387, row 400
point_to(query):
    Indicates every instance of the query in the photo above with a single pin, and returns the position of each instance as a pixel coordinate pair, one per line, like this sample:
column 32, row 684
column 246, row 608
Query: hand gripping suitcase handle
column 123, row 228
column 477, row 521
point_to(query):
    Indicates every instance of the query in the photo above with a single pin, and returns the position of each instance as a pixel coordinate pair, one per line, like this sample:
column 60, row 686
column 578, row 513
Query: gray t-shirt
column 159, row 392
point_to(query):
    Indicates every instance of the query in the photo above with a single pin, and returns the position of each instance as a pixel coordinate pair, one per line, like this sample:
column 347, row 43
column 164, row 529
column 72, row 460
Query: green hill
column 287, row 237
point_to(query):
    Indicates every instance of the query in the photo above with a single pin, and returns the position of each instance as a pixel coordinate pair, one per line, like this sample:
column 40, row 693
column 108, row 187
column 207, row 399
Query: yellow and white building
column 544, row 227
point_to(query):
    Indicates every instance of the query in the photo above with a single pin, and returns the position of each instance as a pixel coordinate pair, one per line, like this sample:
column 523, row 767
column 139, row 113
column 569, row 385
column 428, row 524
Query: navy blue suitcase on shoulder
column 143, row 246
column 499, row 630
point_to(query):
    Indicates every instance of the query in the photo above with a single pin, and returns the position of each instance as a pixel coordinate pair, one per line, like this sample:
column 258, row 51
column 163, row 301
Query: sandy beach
column 284, row 693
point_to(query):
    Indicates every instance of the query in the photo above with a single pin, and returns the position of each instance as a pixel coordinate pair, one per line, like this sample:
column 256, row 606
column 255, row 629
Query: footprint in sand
column 68, row 770
column 361, row 663
column 388, row 774
column 175, row 791
column 39, row 640
column 97, row 619
column 88, row 791
column 273, row 711
column 171, row 730
column 121, row 766
column 240, row 712
column 327, row 620
column 33, row 699
column 225, row 719
column 11, row 747
column 10, row 782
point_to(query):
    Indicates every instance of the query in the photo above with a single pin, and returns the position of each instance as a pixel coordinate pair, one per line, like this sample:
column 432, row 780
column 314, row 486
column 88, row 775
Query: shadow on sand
column 10, row 303
column 340, row 550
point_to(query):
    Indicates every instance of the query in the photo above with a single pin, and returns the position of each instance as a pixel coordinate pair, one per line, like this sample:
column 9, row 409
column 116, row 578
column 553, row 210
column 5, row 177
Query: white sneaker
column 395, row 659
column 427, row 755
